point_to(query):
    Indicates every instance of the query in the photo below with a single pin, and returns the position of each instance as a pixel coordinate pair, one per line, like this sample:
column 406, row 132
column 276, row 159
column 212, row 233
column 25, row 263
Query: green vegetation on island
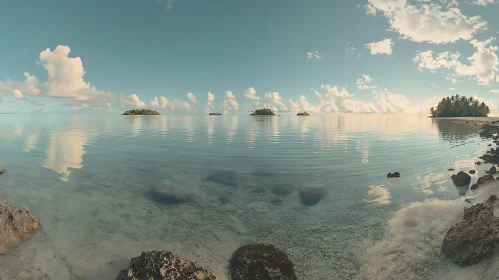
column 263, row 112
column 303, row 114
column 140, row 112
column 460, row 106
column 215, row 114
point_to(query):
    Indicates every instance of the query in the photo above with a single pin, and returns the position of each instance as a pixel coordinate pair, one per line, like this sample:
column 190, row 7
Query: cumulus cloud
column 192, row 98
column 494, row 90
column 428, row 21
column 209, row 104
column 132, row 101
column 166, row 104
column 274, row 101
column 302, row 105
column 65, row 80
column 363, row 82
column 483, row 2
column 483, row 64
column 381, row 47
column 230, row 103
column 315, row 55
column 250, row 94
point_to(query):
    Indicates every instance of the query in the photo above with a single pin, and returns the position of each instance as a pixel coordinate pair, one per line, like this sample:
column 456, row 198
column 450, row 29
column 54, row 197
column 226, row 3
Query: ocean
column 89, row 180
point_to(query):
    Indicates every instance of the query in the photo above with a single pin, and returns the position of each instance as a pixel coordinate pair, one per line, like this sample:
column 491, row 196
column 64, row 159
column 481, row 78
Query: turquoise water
column 88, row 180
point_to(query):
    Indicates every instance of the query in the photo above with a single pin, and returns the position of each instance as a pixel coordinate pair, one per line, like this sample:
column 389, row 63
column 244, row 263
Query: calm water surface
column 88, row 179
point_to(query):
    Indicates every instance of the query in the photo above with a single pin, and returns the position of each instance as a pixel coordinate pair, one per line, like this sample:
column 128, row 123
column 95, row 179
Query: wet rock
column 2, row 171
column 461, row 179
column 451, row 169
column 170, row 195
column 472, row 171
column 260, row 262
column 311, row 196
column 485, row 178
column 282, row 190
column 474, row 187
column 223, row 177
column 163, row 265
column 492, row 170
column 469, row 200
column 485, row 134
column 489, row 145
column 478, row 163
column 473, row 239
column 393, row 175
column 492, row 198
column 258, row 190
column 16, row 225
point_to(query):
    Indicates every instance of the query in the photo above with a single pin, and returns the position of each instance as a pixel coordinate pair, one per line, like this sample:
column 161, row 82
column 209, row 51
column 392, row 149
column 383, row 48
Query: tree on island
column 305, row 113
column 263, row 112
column 460, row 106
column 141, row 112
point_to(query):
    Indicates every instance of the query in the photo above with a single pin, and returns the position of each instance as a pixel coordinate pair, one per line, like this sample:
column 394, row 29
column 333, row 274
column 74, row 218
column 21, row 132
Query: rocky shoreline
column 474, row 238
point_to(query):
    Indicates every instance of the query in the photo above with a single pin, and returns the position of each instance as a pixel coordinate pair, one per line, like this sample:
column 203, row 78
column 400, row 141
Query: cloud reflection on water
column 378, row 195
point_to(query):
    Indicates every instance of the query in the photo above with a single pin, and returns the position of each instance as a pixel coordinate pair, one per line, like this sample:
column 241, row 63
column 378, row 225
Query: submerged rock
column 485, row 178
column 461, row 179
column 472, row 171
column 2, row 171
column 393, row 175
column 223, row 200
column 282, row 190
column 311, row 196
column 223, row 177
column 170, row 195
column 260, row 262
column 478, row 163
column 163, row 265
column 492, row 198
column 474, row 238
column 258, row 190
column 462, row 190
column 16, row 225
column 276, row 201
column 474, row 187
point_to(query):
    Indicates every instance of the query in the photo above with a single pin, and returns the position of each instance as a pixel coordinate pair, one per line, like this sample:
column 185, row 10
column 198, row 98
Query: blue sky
column 384, row 56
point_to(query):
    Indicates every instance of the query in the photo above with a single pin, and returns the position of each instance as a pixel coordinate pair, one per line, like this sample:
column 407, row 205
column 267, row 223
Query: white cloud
column 362, row 83
column 65, row 80
column 452, row 88
column 230, row 103
column 315, row 55
column 209, row 104
column 301, row 105
column 250, row 94
column 168, row 4
column 192, row 98
column 275, row 102
column 164, row 103
column 482, row 64
column 381, row 47
column 494, row 90
column 132, row 101
column 483, row 2
column 431, row 22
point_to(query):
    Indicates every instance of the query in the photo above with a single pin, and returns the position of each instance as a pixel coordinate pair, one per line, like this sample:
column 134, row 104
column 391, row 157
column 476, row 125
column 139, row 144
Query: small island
column 141, row 112
column 460, row 106
column 215, row 114
column 263, row 112
column 303, row 114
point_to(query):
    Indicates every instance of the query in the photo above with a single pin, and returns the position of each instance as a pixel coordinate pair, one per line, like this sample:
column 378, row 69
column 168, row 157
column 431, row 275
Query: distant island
column 141, row 112
column 460, row 106
column 303, row 114
column 215, row 114
column 263, row 112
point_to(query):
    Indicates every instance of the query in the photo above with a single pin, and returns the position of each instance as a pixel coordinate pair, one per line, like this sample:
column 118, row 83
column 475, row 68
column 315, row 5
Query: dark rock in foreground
column 169, row 195
column 472, row 171
column 478, row 163
column 2, row 171
column 163, row 265
column 311, row 196
column 492, row 170
column 223, row 177
column 16, row 225
column 260, row 262
column 485, row 178
column 461, row 179
column 474, row 238
column 393, row 175
column 451, row 169
column 492, row 198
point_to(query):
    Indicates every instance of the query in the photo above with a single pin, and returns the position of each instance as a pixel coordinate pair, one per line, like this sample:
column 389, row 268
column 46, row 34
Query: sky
column 194, row 57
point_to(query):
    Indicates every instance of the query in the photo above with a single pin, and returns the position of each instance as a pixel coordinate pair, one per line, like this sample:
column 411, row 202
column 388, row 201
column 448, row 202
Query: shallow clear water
column 88, row 180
